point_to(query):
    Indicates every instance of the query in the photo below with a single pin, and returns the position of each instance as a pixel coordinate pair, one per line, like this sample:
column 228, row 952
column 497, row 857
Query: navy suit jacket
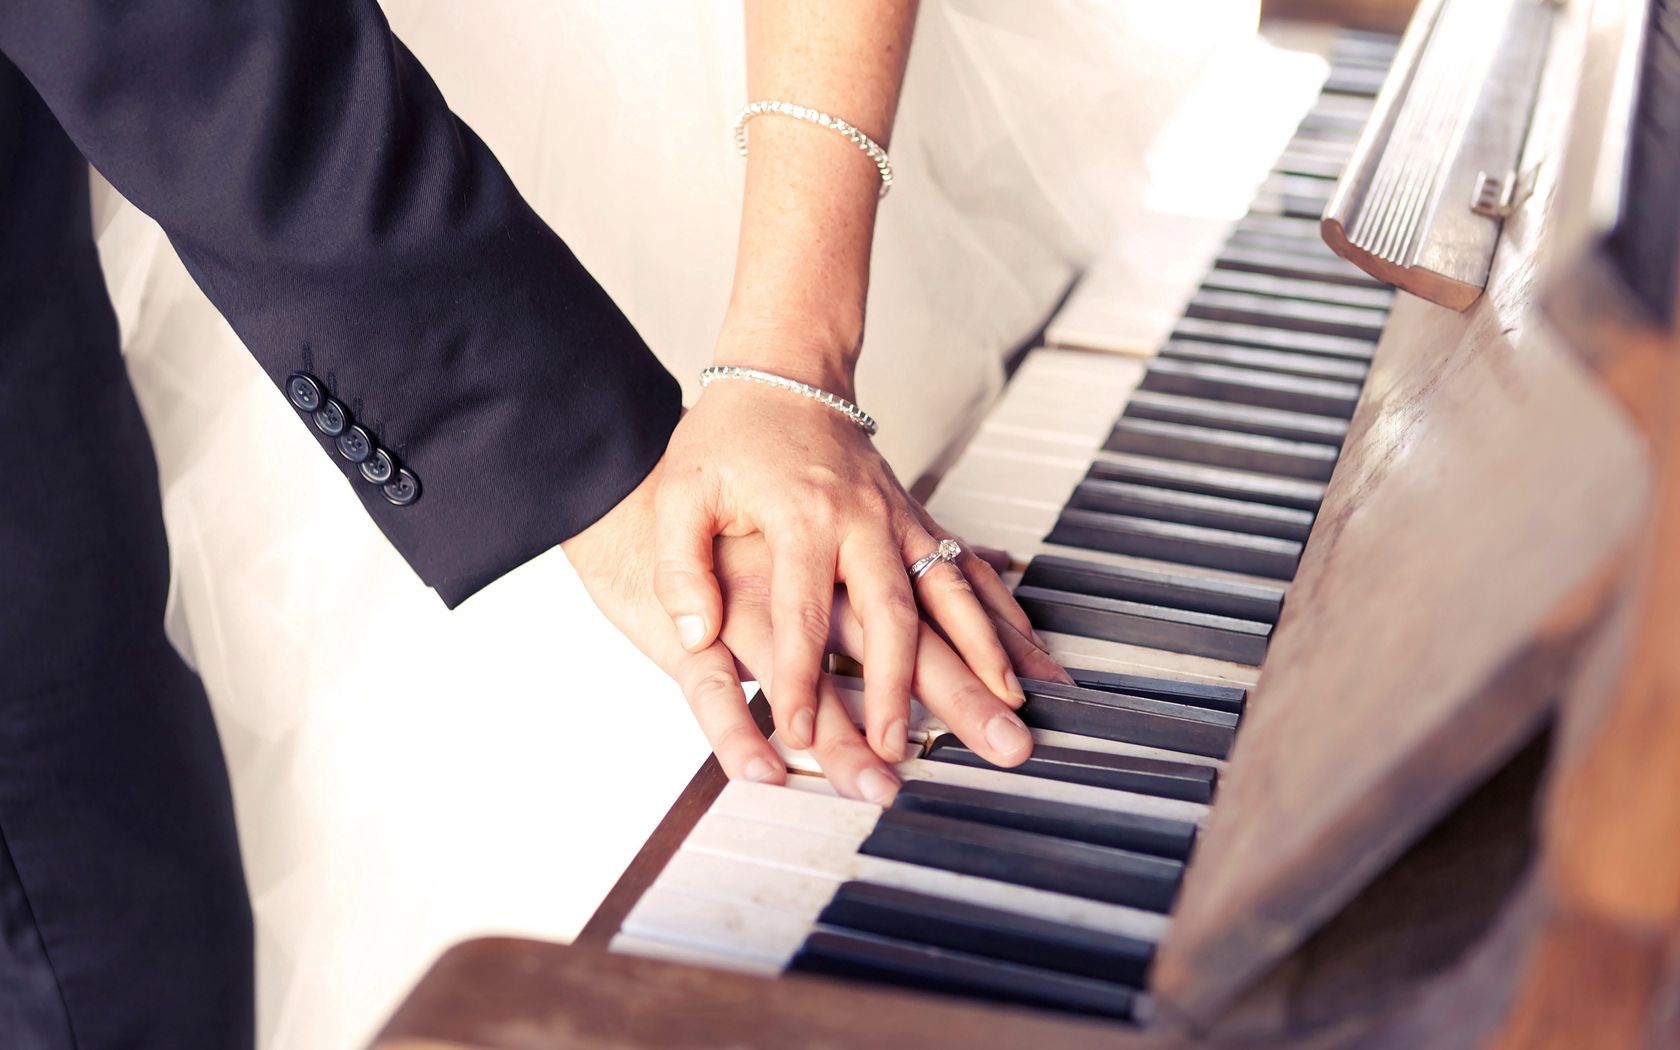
column 351, row 228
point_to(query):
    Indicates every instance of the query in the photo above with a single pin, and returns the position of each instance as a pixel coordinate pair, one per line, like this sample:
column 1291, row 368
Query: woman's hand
column 750, row 458
column 614, row 558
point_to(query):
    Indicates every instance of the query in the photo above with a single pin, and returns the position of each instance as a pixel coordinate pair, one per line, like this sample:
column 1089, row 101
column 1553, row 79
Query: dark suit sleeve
column 349, row 226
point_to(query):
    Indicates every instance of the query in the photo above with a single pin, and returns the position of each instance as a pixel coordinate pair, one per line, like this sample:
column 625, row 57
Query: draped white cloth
column 407, row 776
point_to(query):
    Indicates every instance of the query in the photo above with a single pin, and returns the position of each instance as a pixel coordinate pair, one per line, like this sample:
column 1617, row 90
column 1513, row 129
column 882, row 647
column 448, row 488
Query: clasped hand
column 772, row 533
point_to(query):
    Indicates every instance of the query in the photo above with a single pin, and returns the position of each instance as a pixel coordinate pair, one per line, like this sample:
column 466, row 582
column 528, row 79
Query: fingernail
column 896, row 739
column 803, row 724
column 876, row 786
column 1066, row 678
column 1008, row 735
column 759, row 771
column 690, row 629
column 1013, row 686
column 1038, row 640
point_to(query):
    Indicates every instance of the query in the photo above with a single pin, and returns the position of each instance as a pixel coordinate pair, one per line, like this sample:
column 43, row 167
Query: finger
column 801, row 594
column 948, row 601
column 714, row 694
column 846, row 760
column 995, row 595
column 683, row 577
column 997, row 559
column 949, row 690
column 881, row 598
column 1030, row 661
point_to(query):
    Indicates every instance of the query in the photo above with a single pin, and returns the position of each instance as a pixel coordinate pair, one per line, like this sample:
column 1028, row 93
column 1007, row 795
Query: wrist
column 815, row 354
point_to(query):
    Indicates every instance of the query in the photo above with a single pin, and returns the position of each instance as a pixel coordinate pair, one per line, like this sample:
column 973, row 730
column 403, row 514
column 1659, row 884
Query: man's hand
column 615, row 559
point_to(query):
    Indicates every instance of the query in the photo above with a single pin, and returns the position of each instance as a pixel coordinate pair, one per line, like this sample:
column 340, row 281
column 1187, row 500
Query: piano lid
column 1438, row 170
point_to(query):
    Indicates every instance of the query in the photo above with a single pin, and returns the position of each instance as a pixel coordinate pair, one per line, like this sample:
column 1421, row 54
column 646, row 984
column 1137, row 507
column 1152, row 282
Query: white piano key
column 816, row 785
column 1097, row 654
column 731, row 929
column 800, row 810
column 809, row 854
column 649, row 948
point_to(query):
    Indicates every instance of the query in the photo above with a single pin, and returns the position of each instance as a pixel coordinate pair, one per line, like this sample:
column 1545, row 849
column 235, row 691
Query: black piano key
column 1344, row 80
column 1299, row 288
column 1130, row 719
column 1213, row 481
column 1292, row 315
column 1138, row 832
column 1306, row 460
column 1189, row 508
column 1251, row 386
column 1023, row 858
column 1145, row 776
column 1151, row 626
column 1211, row 695
column 1263, row 359
column 1309, row 266
column 1312, row 167
column 1244, row 419
column 1266, row 337
column 1174, row 542
column 992, row 933
column 1166, row 587
column 897, row 964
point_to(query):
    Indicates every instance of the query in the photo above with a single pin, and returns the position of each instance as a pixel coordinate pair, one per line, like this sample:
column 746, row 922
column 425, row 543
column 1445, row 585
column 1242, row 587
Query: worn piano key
column 1129, row 831
column 1177, row 729
column 1174, row 542
column 1298, row 288
column 738, row 934
column 1284, row 184
column 1309, row 266
column 1287, row 204
column 1306, row 231
column 1349, row 322
column 1179, row 590
column 1281, row 243
column 992, row 933
column 1186, row 781
column 1327, row 397
column 1306, row 460
column 759, row 857
column 1077, row 869
column 1261, row 359
column 1266, row 337
column 1189, row 508
column 1201, row 634
column 1244, row 419
column 1213, row 481
column 1197, row 694
column 899, row 964
column 1310, row 166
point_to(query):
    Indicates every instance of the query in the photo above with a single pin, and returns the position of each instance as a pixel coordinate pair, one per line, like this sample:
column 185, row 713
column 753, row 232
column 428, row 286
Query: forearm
column 802, row 269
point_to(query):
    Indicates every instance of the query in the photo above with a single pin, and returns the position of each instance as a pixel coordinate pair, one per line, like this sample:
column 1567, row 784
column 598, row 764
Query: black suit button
column 403, row 489
column 378, row 467
column 354, row 444
column 330, row 418
column 304, row 391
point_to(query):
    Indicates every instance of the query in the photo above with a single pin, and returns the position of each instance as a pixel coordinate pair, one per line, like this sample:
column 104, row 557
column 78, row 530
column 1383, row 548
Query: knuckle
column 810, row 618
column 740, row 734
column 713, row 688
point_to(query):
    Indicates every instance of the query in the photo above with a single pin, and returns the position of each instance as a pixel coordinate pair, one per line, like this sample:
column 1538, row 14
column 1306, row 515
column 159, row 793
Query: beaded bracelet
column 863, row 419
column 883, row 163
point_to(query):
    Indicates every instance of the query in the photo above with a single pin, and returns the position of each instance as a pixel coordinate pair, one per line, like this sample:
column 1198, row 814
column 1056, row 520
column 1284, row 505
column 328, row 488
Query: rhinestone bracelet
column 883, row 164
column 863, row 419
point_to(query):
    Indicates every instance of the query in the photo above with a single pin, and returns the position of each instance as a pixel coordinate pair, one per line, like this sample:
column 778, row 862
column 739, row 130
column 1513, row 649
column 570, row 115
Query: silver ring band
column 946, row 551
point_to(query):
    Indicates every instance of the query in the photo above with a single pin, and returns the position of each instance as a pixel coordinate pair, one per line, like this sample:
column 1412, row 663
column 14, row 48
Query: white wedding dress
column 407, row 776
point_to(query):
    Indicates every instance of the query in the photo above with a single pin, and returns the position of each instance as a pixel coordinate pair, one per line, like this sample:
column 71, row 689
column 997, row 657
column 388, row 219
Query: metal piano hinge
column 1450, row 124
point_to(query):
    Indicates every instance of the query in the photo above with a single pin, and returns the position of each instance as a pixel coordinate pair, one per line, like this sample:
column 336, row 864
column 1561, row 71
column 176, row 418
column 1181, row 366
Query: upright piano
column 1369, row 583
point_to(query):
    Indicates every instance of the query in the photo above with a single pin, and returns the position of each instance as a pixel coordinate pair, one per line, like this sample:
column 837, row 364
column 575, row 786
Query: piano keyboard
column 1160, row 510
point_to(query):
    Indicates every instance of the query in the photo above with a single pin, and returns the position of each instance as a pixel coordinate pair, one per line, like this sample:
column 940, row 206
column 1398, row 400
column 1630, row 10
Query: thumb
column 683, row 578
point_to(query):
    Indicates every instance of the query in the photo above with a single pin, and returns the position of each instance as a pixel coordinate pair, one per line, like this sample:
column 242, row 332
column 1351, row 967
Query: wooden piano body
column 1451, row 815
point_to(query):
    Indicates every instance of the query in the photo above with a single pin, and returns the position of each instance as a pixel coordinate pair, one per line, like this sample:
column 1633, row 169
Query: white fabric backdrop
column 406, row 776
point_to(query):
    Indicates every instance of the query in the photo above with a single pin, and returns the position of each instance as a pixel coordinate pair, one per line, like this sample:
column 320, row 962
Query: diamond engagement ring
column 946, row 551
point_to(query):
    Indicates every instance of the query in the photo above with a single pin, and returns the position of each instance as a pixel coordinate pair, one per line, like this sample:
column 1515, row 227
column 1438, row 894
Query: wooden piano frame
column 1482, row 649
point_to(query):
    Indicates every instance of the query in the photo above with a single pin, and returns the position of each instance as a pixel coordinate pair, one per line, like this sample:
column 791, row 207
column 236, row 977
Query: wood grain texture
column 1485, row 485
column 505, row 994
column 1388, row 16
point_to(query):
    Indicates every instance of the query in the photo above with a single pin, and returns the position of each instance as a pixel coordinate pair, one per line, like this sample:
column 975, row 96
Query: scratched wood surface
column 1486, row 481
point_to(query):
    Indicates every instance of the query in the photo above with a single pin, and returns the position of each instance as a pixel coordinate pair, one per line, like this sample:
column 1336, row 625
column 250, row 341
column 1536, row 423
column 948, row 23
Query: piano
column 1368, row 580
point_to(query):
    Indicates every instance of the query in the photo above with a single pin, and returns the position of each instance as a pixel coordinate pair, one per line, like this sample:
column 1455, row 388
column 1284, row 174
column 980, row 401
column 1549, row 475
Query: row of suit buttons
column 378, row 467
